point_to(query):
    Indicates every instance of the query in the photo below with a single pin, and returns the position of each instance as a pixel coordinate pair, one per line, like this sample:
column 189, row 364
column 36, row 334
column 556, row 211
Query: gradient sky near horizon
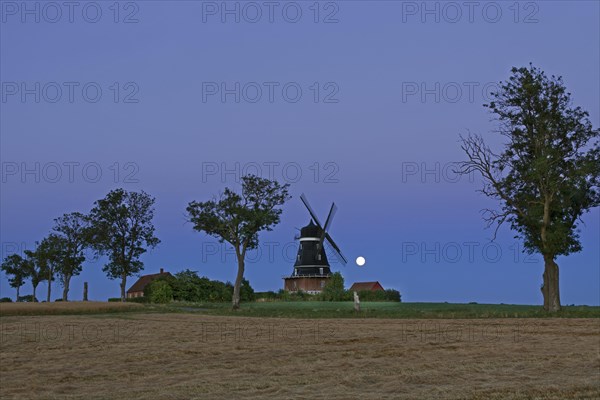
column 357, row 102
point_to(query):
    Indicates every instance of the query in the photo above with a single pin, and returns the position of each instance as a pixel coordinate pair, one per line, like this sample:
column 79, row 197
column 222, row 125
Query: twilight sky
column 357, row 102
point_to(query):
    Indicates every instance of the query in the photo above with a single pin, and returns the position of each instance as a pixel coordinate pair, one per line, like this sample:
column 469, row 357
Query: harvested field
column 191, row 356
column 71, row 307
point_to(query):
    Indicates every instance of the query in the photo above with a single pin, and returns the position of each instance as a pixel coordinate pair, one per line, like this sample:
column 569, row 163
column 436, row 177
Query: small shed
column 372, row 286
column 137, row 289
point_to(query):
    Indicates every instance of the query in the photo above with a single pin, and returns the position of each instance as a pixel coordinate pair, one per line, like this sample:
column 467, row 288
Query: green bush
column 379, row 295
column 270, row 295
column 5, row 300
column 246, row 291
column 284, row 295
column 113, row 299
column 334, row 289
column 188, row 286
column 27, row 299
column 302, row 296
column 160, row 292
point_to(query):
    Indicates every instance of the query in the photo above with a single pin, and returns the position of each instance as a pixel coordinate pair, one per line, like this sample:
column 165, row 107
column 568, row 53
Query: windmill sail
column 324, row 233
column 310, row 210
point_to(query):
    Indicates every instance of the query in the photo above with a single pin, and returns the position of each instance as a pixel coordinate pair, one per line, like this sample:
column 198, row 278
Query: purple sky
column 190, row 98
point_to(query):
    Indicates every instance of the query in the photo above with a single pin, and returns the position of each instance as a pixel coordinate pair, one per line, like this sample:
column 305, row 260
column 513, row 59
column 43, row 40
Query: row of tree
column 118, row 226
column 59, row 255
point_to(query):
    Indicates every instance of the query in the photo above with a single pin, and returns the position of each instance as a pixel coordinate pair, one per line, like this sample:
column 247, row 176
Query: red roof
column 145, row 280
column 358, row 286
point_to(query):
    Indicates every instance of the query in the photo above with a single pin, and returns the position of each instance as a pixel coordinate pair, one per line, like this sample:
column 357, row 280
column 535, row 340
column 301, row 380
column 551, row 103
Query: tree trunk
column 235, row 301
column 49, row 284
column 123, row 283
column 66, row 281
column 85, row 291
column 33, row 299
column 18, row 290
column 550, row 288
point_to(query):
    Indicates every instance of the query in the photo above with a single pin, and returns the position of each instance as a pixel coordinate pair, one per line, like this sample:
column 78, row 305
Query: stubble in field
column 186, row 356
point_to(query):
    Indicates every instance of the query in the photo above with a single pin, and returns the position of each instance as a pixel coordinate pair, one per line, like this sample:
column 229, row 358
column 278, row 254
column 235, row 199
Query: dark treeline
column 189, row 287
column 119, row 226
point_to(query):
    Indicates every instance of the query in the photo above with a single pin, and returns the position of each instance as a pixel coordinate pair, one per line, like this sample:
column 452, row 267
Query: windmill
column 311, row 269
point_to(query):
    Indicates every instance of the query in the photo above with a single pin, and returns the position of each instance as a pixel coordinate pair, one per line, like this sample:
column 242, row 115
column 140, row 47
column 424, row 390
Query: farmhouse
column 137, row 289
column 372, row 286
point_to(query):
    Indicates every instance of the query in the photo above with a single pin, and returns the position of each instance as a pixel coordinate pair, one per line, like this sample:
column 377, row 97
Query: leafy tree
column 160, row 292
column 14, row 266
column 220, row 291
column 35, row 268
column 50, row 253
column 238, row 218
column 188, row 286
column 547, row 175
column 246, row 291
column 148, row 289
column 121, row 228
column 74, row 231
column 334, row 288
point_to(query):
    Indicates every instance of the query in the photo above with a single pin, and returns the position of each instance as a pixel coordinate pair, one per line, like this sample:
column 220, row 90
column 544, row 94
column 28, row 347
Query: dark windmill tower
column 311, row 270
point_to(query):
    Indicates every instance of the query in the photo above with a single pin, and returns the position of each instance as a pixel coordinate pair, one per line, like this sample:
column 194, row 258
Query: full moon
column 360, row 261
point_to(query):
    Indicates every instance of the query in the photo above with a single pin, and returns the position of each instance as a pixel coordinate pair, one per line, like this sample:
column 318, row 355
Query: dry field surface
column 73, row 307
column 190, row 356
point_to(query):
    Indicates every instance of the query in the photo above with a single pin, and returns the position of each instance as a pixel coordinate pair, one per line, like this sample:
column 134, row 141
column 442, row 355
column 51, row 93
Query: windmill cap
column 310, row 230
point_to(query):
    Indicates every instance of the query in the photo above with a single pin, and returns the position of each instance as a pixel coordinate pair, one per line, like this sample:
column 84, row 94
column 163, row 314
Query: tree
column 74, row 230
column 238, row 218
column 160, row 292
column 334, row 288
column 121, row 228
column 51, row 253
column 35, row 268
column 187, row 286
column 547, row 175
column 246, row 291
column 13, row 266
